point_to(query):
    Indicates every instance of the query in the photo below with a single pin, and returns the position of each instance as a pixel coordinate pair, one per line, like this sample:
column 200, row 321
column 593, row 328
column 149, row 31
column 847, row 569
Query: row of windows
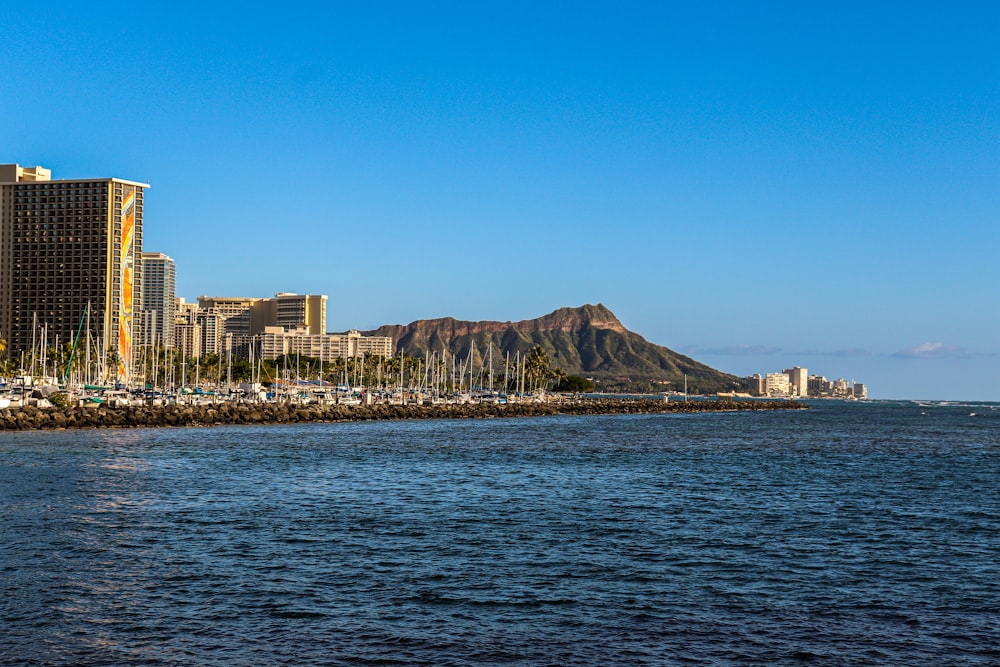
column 58, row 255
column 58, row 187
column 79, row 223
column 27, row 213
column 66, row 283
column 62, row 306
column 83, row 262
column 30, row 292
column 25, row 200
column 94, row 271
column 39, row 240
column 72, row 228
column 94, row 208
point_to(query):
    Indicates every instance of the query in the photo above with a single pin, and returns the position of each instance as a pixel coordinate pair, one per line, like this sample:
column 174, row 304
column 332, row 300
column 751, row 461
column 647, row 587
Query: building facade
column 187, row 329
column 70, row 262
column 294, row 310
column 236, row 313
column 777, row 384
column 212, row 331
column 798, row 380
column 276, row 342
column 159, row 292
column 251, row 316
column 754, row 385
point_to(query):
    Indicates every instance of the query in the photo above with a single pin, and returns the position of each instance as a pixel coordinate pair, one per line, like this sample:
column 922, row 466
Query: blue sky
column 758, row 185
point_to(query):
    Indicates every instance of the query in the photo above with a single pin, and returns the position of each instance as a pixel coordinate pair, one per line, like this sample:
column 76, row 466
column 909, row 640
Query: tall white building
column 159, row 293
column 212, row 331
column 798, row 381
column 187, row 330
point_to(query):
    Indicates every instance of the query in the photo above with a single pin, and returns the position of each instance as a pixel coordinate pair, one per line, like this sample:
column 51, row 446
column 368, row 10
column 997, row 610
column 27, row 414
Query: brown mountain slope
column 587, row 341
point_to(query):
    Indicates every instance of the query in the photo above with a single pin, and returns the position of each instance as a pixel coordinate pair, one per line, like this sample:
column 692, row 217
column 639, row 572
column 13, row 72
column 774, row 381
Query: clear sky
column 757, row 185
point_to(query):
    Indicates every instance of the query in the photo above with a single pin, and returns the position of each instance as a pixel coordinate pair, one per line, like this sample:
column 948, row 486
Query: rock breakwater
column 29, row 418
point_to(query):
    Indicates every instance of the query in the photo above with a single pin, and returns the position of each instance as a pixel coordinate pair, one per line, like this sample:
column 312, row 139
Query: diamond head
column 588, row 341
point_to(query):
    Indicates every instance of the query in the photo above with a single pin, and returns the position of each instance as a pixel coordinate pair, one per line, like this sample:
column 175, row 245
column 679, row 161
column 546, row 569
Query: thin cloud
column 733, row 350
column 847, row 353
column 852, row 352
column 936, row 350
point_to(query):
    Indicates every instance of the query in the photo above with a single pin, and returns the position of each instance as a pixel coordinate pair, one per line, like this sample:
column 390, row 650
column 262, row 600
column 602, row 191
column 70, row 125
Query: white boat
column 116, row 398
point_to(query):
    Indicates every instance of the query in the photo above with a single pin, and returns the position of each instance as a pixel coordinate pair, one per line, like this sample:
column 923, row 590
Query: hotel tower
column 70, row 262
column 159, row 292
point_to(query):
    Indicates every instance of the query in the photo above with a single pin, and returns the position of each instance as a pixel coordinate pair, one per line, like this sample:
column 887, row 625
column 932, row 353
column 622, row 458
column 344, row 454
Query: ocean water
column 849, row 534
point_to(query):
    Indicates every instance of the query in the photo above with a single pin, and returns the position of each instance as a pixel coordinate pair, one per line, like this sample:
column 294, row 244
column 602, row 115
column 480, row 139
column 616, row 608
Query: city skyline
column 753, row 188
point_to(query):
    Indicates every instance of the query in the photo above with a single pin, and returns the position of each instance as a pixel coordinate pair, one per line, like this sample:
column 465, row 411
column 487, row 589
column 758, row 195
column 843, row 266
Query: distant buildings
column 797, row 383
column 70, row 262
column 275, row 342
column 72, row 267
column 242, row 316
column 268, row 328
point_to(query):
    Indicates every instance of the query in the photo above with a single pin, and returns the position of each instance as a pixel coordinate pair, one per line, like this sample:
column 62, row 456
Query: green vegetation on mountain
column 588, row 342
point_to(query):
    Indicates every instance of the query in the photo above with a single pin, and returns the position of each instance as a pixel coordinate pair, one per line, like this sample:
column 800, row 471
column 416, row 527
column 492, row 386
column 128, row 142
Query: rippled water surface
column 848, row 534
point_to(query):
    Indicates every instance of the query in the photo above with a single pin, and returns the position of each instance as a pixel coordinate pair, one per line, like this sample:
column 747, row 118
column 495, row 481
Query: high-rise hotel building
column 159, row 292
column 70, row 254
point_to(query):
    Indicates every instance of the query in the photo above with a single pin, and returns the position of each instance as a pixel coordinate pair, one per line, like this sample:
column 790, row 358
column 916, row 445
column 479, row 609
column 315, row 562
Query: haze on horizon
column 755, row 186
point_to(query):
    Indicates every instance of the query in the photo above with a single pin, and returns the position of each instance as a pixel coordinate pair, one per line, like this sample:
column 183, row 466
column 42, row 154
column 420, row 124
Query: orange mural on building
column 126, row 287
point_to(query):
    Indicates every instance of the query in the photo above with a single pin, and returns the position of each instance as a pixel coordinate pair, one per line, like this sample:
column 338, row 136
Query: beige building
column 289, row 311
column 249, row 316
column 286, row 324
column 187, row 330
column 235, row 312
column 275, row 342
column 798, row 380
column 70, row 254
column 820, row 386
column 15, row 173
column 212, row 331
column 295, row 310
column 188, row 339
column 777, row 384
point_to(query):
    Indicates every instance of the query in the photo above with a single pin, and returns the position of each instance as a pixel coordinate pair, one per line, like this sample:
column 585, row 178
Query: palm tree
column 4, row 362
column 537, row 368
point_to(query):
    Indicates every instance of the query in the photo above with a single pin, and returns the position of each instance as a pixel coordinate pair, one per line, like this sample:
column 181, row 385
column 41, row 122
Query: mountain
column 588, row 341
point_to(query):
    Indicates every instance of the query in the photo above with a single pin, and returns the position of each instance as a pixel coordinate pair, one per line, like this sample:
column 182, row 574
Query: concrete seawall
column 274, row 413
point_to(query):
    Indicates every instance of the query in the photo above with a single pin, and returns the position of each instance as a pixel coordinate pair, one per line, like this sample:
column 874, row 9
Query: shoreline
column 242, row 414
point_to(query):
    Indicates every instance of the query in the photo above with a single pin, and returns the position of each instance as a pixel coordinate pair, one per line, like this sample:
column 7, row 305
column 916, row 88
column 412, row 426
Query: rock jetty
column 30, row 418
